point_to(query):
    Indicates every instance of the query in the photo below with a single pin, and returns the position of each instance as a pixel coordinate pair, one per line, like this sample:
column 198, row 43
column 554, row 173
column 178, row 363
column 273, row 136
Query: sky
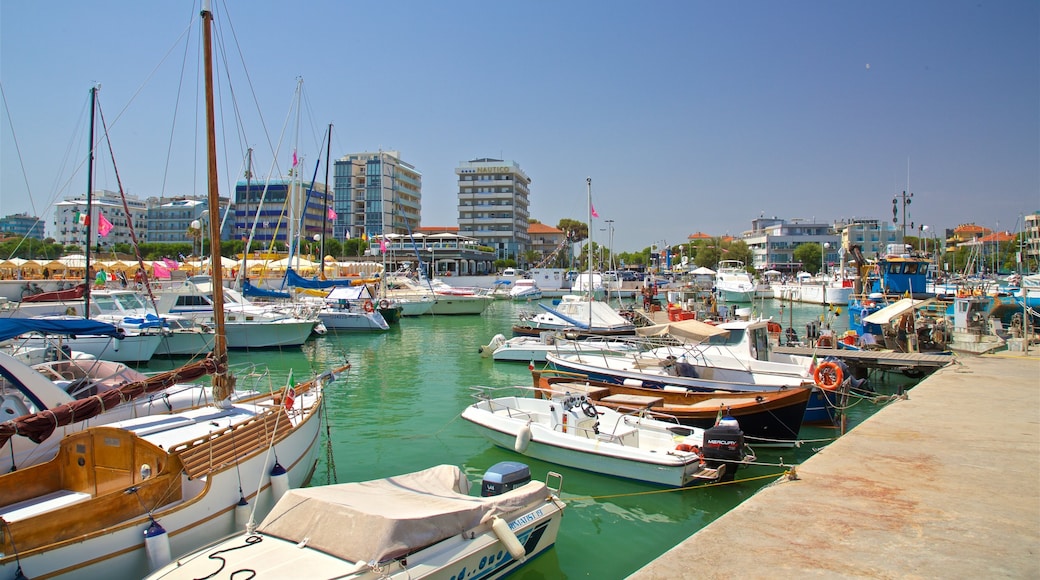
column 689, row 116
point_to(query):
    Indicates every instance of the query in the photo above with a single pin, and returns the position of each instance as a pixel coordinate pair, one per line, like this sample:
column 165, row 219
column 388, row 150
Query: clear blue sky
column 688, row 116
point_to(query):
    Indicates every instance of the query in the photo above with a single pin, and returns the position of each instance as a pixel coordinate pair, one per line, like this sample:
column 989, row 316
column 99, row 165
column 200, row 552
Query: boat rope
column 330, row 460
column 679, row 489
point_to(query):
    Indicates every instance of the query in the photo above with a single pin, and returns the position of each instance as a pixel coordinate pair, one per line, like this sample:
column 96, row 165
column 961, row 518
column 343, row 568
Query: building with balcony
column 871, row 235
column 170, row 218
column 493, row 205
column 375, row 193
column 1031, row 243
column 772, row 242
column 23, row 225
column 69, row 231
column 270, row 211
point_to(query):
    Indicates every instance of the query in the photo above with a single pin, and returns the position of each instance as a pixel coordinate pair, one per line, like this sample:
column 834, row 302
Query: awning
column 690, row 329
column 894, row 310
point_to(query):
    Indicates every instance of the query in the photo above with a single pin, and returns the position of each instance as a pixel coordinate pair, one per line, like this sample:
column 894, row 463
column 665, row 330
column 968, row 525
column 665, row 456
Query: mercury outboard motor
column 504, row 476
column 724, row 445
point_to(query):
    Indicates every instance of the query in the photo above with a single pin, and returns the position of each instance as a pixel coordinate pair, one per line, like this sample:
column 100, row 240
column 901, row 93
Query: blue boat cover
column 294, row 279
column 12, row 327
column 250, row 290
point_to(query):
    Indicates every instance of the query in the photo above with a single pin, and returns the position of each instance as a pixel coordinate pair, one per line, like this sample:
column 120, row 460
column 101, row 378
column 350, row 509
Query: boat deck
column 941, row 485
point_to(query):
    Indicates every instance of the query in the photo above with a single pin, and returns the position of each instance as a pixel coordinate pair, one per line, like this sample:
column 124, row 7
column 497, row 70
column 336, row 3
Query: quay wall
column 944, row 484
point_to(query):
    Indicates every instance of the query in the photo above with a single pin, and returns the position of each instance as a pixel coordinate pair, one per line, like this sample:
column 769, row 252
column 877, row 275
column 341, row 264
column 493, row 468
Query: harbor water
column 398, row 411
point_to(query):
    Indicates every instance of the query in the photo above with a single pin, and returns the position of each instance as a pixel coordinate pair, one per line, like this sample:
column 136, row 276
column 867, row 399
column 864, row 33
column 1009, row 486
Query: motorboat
column 533, row 348
column 733, row 283
column 572, row 430
column 767, row 418
column 435, row 298
column 575, row 313
column 425, row 524
column 827, row 290
column 351, row 308
column 525, row 289
column 96, row 338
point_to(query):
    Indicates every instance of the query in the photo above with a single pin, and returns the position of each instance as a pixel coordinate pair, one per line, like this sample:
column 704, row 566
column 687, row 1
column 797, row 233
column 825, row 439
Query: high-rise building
column 170, row 219
column 69, row 230
column 493, row 202
column 22, row 224
column 376, row 193
column 265, row 211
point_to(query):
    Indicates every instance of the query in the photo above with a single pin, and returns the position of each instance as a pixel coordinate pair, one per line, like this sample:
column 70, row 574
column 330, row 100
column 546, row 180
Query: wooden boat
column 570, row 429
column 415, row 525
column 767, row 418
column 122, row 499
column 74, row 293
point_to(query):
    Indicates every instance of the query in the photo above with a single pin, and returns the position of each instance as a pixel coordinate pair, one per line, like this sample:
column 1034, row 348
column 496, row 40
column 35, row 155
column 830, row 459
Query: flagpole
column 589, row 289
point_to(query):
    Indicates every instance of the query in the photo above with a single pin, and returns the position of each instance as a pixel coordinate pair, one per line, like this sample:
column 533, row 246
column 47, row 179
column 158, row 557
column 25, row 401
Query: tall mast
column 222, row 384
column 325, row 214
column 90, row 209
column 589, row 289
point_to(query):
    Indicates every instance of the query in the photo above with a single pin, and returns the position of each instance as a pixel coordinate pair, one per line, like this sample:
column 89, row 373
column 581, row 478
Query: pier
column 886, row 360
column 942, row 484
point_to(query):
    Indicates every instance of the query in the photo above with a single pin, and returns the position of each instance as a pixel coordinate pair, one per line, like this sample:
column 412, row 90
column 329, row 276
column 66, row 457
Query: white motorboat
column 534, row 348
column 351, row 308
column 109, row 343
column 733, row 283
column 570, row 429
column 576, row 313
column 440, row 298
column 814, row 290
column 416, row 525
column 525, row 289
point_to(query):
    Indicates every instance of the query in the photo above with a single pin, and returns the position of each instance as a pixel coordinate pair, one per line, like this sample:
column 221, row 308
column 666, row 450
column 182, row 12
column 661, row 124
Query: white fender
column 157, row 546
column 279, row 482
column 508, row 538
column 523, row 439
column 242, row 513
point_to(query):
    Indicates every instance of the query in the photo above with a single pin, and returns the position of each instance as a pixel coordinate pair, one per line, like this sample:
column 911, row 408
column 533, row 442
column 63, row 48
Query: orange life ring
column 368, row 306
column 384, row 304
column 828, row 376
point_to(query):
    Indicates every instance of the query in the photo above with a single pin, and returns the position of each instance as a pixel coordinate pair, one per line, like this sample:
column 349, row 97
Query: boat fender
column 828, row 376
column 523, row 439
column 279, row 481
column 384, row 304
column 508, row 538
column 157, row 546
column 368, row 306
column 242, row 512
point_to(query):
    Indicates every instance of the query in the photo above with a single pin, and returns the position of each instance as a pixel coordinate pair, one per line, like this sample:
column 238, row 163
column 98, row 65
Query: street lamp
column 823, row 259
column 196, row 230
column 922, row 232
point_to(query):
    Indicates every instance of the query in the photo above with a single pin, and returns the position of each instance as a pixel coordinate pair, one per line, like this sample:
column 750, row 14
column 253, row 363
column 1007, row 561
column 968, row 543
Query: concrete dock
column 945, row 484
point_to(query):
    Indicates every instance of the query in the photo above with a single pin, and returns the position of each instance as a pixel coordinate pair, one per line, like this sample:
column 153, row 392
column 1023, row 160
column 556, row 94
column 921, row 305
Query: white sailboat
column 124, row 498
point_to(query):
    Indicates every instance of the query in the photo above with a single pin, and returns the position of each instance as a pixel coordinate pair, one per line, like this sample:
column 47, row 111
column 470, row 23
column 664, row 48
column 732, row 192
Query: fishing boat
column 572, row 430
column 122, row 499
column 767, row 418
column 425, row 524
column 733, row 283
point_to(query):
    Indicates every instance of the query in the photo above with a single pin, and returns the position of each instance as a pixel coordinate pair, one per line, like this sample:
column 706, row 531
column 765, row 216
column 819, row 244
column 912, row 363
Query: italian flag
column 81, row 218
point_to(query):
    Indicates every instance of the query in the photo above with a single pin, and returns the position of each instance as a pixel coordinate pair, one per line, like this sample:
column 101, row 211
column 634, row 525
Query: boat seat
column 638, row 401
column 29, row 508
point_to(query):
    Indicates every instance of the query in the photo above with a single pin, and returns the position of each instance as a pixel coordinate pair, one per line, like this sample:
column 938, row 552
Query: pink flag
column 295, row 161
column 332, row 214
column 160, row 270
column 104, row 226
column 382, row 245
column 593, row 208
column 171, row 264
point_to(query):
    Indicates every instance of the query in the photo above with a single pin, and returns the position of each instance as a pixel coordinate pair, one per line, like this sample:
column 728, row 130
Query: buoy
column 523, row 439
column 242, row 513
column 501, row 529
column 157, row 546
column 279, row 481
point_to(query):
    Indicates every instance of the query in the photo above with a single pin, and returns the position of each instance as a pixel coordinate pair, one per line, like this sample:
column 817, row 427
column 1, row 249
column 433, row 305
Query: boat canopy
column 688, row 329
column 375, row 521
column 12, row 327
column 894, row 310
column 294, row 279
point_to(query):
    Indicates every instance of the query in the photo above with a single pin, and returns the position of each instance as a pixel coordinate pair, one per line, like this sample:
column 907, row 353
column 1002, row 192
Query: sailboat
column 125, row 498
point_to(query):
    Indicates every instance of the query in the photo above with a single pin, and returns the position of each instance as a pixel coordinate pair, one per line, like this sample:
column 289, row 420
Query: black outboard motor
column 724, row 445
column 504, row 476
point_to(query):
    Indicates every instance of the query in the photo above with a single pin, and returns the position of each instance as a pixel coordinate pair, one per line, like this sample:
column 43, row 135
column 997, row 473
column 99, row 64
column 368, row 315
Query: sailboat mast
column 221, row 380
column 325, row 214
column 90, row 209
column 589, row 289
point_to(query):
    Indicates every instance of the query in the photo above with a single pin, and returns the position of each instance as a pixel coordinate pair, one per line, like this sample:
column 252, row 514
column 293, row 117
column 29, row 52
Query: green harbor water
column 398, row 410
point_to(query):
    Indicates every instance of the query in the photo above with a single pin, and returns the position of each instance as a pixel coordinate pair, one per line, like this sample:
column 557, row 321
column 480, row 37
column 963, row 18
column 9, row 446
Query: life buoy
column 368, row 306
column 828, row 376
column 384, row 304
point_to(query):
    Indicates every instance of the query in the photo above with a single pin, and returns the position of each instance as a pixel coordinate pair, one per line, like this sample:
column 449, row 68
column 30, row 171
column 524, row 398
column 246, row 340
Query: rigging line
column 18, row 150
column 126, row 208
column 176, row 107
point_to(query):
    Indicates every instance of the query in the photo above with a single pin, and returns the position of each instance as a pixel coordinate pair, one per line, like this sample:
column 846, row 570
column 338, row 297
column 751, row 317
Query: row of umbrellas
column 75, row 262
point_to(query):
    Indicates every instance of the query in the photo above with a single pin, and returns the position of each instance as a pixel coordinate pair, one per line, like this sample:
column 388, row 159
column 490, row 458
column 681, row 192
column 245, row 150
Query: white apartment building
column 493, row 205
column 68, row 231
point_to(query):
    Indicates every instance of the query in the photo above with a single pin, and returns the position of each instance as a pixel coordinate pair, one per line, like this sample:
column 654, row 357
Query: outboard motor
column 724, row 445
column 504, row 476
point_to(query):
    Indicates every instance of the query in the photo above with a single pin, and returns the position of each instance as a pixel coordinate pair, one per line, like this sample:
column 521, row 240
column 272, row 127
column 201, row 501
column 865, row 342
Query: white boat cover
column 894, row 310
column 374, row 521
column 688, row 329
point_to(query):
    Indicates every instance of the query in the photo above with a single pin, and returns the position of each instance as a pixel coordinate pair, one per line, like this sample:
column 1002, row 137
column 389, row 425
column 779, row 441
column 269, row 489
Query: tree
column 810, row 254
column 576, row 230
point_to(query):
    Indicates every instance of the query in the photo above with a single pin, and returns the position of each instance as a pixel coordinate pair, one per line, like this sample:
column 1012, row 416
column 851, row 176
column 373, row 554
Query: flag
column 104, row 226
column 182, row 258
column 81, row 218
column 346, row 235
column 592, row 208
column 290, row 391
column 812, row 365
column 382, row 244
column 295, row 161
column 332, row 214
column 364, row 237
column 171, row 264
column 160, row 271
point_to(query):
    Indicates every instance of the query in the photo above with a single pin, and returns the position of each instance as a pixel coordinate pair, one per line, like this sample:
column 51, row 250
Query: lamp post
column 320, row 252
column 922, row 231
column 196, row 232
column 823, row 258
column 610, row 243
column 906, row 199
